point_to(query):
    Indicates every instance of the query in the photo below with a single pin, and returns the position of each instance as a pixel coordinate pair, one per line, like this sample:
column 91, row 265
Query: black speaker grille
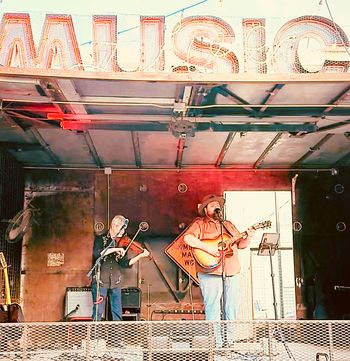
column 131, row 299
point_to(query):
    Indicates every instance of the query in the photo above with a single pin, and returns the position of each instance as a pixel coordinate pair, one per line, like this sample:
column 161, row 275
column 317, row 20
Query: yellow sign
column 181, row 254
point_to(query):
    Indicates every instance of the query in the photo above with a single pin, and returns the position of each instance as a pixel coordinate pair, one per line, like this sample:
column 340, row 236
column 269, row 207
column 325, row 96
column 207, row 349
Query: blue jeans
column 211, row 288
column 115, row 301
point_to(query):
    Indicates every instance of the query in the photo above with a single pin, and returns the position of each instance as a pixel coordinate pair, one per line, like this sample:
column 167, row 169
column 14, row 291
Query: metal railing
column 176, row 340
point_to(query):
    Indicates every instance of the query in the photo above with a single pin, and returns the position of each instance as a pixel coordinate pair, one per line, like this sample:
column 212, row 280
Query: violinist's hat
column 208, row 199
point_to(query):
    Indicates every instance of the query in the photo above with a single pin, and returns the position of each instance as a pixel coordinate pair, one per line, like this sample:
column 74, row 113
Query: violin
column 127, row 243
column 135, row 246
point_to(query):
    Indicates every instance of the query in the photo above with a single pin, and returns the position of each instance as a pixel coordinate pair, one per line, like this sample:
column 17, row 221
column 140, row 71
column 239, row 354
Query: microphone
column 126, row 222
column 218, row 212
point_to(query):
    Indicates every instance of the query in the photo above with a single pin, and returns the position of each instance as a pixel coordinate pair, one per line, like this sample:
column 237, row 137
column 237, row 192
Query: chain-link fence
column 176, row 340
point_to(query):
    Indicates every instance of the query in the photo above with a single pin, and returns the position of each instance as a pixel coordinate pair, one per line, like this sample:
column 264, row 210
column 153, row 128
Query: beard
column 215, row 216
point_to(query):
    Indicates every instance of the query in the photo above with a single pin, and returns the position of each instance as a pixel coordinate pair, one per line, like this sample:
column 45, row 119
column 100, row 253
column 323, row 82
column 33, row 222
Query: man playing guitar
column 206, row 235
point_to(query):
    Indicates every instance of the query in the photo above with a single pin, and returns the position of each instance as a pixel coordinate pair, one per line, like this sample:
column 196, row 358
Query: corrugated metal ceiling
column 55, row 119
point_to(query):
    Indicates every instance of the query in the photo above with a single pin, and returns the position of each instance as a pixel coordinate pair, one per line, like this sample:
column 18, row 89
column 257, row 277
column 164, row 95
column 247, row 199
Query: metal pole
column 273, row 284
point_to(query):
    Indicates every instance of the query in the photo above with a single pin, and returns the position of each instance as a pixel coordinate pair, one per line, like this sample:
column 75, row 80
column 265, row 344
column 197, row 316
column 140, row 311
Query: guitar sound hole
column 222, row 245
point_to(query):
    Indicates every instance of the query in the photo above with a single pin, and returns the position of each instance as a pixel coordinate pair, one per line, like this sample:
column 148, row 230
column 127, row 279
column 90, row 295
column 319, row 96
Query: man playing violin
column 210, row 226
column 113, row 257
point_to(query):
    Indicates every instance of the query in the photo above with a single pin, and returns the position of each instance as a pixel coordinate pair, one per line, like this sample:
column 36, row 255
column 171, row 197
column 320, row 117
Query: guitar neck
column 6, row 278
column 7, row 287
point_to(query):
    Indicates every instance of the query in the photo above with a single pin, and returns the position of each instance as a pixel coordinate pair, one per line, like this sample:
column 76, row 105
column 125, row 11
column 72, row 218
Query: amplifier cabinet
column 131, row 299
column 78, row 300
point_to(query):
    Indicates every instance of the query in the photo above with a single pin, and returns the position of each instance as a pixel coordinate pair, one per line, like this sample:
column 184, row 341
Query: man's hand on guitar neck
column 244, row 242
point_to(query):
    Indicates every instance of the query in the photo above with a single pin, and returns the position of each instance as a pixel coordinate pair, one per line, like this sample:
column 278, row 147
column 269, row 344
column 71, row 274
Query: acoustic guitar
column 9, row 312
column 224, row 245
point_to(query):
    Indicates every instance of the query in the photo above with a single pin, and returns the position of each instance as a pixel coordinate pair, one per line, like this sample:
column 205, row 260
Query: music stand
column 268, row 245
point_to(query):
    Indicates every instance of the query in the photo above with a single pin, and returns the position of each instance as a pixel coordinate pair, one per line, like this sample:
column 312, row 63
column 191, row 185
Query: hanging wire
column 336, row 27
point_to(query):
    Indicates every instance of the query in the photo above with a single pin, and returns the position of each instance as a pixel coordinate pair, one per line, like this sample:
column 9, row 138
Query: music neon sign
column 198, row 43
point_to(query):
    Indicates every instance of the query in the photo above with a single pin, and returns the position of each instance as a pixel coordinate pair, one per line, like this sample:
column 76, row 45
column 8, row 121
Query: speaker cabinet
column 78, row 302
column 131, row 299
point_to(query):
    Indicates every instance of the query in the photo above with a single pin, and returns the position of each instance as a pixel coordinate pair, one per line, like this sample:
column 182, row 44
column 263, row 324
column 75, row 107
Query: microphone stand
column 97, row 267
column 223, row 272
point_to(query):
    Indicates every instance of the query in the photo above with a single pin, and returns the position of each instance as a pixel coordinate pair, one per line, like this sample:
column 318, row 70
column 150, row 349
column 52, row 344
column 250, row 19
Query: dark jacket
column 111, row 266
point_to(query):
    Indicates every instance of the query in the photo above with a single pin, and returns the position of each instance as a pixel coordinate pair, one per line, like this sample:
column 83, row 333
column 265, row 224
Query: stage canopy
column 74, row 119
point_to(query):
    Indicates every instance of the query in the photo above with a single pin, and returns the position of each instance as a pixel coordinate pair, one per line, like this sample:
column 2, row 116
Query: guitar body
column 208, row 261
column 11, row 313
column 224, row 245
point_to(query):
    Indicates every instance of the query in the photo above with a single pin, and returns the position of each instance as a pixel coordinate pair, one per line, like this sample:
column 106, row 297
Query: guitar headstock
column 262, row 225
column 3, row 260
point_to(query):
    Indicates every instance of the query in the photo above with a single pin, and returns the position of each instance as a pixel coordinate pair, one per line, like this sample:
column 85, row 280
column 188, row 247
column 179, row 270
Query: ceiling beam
column 55, row 95
column 224, row 149
column 314, row 148
column 251, row 127
column 204, row 126
column 20, row 147
column 134, row 118
column 337, row 99
column 267, row 150
column 326, row 128
column 29, row 118
column 137, row 151
column 14, row 123
column 92, row 149
column 223, row 90
column 270, row 96
column 345, row 160
column 213, row 79
column 208, row 109
column 56, row 161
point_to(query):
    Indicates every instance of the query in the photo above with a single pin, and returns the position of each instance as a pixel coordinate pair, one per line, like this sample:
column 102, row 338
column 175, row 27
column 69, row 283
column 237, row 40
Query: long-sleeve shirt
column 111, row 266
column 205, row 228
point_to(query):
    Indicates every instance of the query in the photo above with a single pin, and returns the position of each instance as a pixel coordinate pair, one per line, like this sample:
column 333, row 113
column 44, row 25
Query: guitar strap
column 223, row 224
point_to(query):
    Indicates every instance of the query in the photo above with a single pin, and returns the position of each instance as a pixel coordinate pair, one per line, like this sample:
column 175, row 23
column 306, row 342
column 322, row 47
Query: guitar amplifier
column 78, row 302
column 131, row 299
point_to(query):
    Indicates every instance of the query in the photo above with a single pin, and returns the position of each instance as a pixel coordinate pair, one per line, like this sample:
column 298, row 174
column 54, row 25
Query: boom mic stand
column 268, row 245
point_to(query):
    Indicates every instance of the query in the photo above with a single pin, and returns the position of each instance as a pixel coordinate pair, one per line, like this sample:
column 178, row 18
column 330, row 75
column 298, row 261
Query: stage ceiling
column 77, row 119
